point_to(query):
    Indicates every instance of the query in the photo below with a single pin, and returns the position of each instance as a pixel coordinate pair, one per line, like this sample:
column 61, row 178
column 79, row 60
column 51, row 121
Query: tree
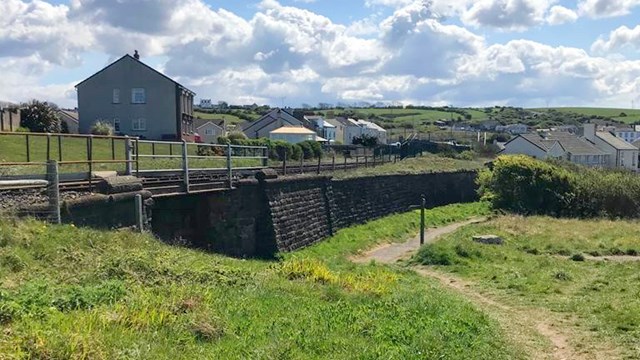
column 39, row 116
column 365, row 140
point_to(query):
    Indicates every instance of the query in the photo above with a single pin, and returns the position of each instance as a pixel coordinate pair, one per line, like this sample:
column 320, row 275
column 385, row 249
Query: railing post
column 319, row 161
column 90, row 160
column 53, row 190
column 229, row 167
column 26, row 136
column 139, row 213
column 333, row 162
column 185, row 165
column 137, row 157
column 48, row 146
column 128, row 156
column 366, row 161
column 302, row 163
column 284, row 163
column 265, row 159
column 113, row 149
column 422, row 222
column 345, row 163
column 59, row 147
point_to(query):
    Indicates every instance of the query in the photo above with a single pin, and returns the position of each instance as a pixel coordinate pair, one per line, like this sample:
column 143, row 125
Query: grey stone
column 488, row 239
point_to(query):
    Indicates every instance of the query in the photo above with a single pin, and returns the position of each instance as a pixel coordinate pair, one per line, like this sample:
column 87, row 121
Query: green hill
column 632, row 115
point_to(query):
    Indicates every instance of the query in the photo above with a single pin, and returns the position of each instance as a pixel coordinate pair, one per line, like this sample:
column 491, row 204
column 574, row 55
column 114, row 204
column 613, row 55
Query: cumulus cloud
column 606, row 8
column 412, row 55
column 620, row 38
column 560, row 15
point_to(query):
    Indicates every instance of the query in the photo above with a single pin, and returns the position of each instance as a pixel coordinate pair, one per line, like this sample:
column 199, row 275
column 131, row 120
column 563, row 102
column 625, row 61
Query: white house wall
column 521, row 146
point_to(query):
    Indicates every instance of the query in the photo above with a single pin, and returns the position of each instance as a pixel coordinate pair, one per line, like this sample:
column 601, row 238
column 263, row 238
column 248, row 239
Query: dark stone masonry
column 260, row 218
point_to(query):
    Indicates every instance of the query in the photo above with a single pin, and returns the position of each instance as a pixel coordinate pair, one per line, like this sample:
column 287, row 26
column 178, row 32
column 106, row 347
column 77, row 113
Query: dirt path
column 536, row 331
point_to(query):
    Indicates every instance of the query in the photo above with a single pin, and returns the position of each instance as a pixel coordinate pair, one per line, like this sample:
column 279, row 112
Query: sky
column 529, row 53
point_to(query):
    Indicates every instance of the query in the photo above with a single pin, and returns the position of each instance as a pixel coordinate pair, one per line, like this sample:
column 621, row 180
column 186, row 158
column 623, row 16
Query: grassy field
column 13, row 149
column 79, row 294
column 584, row 271
column 417, row 115
column 419, row 165
column 633, row 115
column 231, row 119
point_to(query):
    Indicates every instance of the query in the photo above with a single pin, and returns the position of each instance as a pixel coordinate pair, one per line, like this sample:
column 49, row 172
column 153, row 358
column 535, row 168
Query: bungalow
column 557, row 146
column 273, row 120
column 293, row 134
column 208, row 131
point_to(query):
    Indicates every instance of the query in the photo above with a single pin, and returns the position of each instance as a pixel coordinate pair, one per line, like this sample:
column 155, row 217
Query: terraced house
column 136, row 100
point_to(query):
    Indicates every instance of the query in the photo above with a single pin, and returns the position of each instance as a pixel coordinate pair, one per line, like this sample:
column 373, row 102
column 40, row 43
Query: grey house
column 137, row 100
column 272, row 120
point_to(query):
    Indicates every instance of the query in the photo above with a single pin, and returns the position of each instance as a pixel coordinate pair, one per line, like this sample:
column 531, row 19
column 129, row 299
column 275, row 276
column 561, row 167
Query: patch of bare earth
column 538, row 332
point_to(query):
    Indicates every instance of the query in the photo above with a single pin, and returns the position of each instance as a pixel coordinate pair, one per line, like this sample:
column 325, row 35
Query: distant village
column 132, row 98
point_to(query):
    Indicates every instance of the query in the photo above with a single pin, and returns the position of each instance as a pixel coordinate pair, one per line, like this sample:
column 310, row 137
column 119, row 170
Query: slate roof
column 129, row 57
column 615, row 141
column 270, row 117
column 574, row 144
column 198, row 123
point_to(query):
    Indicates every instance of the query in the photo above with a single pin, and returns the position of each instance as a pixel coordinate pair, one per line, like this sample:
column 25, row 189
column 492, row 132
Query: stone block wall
column 262, row 218
column 300, row 213
column 362, row 199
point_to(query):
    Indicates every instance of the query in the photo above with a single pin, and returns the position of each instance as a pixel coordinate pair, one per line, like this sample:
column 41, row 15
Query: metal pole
column 265, row 159
column 153, row 150
column 422, row 206
column 128, row 152
column 345, row 163
column 113, row 149
column 139, row 213
column 319, row 160
column 137, row 158
column 59, row 148
column 333, row 162
column 48, row 146
column 53, row 190
column 90, row 161
column 229, row 169
column 185, row 165
column 284, row 162
column 366, row 161
column 302, row 163
column 26, row 136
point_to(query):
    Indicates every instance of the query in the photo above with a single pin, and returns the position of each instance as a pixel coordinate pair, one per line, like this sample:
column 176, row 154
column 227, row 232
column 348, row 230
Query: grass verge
column 557, row 265
column 76, row 293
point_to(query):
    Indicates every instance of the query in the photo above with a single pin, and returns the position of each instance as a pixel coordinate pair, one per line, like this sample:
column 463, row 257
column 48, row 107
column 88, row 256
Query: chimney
column 590, row 132
column 136, row 55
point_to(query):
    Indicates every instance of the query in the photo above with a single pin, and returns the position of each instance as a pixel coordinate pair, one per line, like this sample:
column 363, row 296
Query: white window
column 116, row 96
column 139, row 124
column 208, row 131
column 138, row 96
column 116, row 125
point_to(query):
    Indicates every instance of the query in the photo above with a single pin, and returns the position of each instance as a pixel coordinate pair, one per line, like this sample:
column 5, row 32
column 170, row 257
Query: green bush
column 102, row 128
column 525, row 185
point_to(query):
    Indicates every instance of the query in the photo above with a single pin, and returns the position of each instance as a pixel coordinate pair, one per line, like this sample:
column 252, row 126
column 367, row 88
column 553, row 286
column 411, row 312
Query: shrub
column 431, row 255
column 22, row 129
column 236, row 136
column 102, row 128
column 524, row 185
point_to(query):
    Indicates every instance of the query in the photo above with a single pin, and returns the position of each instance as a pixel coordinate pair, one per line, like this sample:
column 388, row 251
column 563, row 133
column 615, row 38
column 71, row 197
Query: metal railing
column 82, row 153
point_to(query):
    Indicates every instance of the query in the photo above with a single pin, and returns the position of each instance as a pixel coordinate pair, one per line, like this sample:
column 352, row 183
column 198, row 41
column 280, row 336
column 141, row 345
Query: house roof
column 129, row 57
column 615, row 141
column 68, row 115
column 297, row 130
column 371, row 125
column 198, row 123
column 273, row 115
column 574, row 144
column 535, row 139
column 328, row 124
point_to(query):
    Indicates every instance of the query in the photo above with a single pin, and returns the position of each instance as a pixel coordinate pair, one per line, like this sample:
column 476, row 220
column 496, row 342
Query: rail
column 83, row 155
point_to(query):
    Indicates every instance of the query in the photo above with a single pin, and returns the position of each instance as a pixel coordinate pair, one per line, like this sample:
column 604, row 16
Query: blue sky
column 431, row 52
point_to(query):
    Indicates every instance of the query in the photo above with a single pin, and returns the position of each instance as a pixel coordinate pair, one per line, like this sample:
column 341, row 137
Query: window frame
column 115, row 96
column 138, row 91
column 139, row 124
column 117, row 125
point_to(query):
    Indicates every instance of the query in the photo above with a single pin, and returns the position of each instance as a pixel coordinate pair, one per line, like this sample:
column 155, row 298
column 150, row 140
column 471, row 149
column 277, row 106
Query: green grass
column 419, row 165
column 231, row 119
column 13, row 149
column 633, row 115
column 541, row 265
column 75, row 293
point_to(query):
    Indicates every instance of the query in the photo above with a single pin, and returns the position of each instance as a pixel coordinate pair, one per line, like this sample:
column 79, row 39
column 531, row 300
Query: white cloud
column 560, row 15
column 507, row 14
column 606, row 8
column 619, row 39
